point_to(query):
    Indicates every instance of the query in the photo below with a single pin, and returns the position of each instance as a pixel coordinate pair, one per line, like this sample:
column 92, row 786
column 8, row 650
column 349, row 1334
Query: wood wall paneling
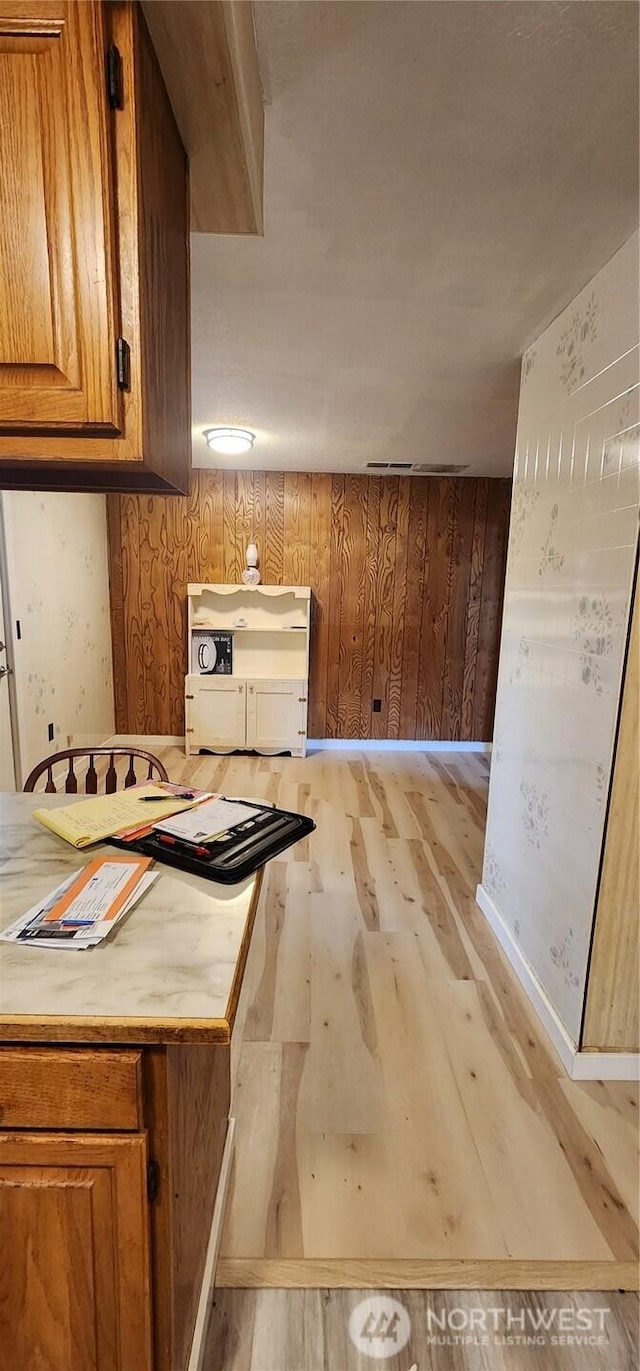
column 381, row 608
column 474, row 602
column 368, row 652
column 416, row 570
column 457, row 596
column 407, row 577
column 440, row 525
column 350, row 606
column 320, row 553
column 496, row 530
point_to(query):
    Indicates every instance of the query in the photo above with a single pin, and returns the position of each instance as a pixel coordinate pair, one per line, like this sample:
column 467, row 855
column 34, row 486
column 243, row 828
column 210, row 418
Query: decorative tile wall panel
column 572, row 544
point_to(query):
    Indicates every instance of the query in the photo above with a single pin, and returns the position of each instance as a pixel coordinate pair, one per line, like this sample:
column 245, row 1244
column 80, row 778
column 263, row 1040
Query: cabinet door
column 276, row 714
column 74, row 1219
column 57, row 303
column 215, row 712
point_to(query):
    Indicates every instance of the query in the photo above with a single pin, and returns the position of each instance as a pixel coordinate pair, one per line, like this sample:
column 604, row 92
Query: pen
column 191, row 849
column 155, row 799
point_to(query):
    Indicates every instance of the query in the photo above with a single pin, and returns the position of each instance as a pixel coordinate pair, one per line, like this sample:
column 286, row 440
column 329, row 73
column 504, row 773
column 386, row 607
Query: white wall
column 574, row 525
column 59, row 591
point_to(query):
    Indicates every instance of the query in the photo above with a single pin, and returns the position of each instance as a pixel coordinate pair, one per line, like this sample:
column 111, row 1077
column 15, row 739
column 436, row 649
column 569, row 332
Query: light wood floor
column 400, row 1119
column 307, row 1330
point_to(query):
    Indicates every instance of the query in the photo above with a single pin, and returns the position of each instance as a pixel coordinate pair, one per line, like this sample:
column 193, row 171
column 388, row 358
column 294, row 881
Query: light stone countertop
column 166, row 974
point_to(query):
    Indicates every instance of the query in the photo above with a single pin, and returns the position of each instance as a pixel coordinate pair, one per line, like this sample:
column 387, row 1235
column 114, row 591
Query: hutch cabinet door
column 215, row 712
column 277, row 714
column 58, row 321
column 75, row 1244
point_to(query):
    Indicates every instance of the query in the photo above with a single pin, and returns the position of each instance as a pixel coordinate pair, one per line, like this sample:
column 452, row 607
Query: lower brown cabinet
column 109, row 1167
column 75, row 1241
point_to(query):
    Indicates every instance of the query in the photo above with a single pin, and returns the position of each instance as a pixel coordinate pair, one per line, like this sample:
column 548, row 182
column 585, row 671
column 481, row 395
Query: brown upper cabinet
column 57, row 324
column 94, row 243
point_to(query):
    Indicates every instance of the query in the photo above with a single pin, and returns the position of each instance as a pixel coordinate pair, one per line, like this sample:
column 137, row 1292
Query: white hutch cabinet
column 248, row 668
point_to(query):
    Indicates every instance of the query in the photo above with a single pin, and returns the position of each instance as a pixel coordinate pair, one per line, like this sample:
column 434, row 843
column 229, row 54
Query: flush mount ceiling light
column 231, row 442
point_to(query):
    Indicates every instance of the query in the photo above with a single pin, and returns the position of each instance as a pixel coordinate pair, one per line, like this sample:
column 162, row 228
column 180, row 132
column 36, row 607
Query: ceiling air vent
column 421, row 468
column 390, row 466
column 440, row 468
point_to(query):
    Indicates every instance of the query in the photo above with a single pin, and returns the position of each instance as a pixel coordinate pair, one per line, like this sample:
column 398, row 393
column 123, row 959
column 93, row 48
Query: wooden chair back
column 145, row 763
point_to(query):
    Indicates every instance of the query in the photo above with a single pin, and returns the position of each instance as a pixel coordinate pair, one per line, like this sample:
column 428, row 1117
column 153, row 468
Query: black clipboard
column 244, row 849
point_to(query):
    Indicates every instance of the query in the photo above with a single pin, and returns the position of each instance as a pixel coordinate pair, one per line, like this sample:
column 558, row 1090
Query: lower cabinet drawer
column 70, row 1089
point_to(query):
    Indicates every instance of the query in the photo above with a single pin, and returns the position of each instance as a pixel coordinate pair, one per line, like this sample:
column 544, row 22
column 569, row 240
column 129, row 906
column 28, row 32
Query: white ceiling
column 442, row 177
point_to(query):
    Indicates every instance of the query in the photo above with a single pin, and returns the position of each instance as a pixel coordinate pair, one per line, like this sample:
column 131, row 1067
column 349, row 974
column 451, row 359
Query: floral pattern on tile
column 493, row 877
column 595, row 630
column 600, row 782
column 524, row 653
column 575, row 338
column 551, row 559
column 625, row 409
column 528, row 363
column 556, row 709
column 562, row 957
column 535, row 813
column 621, row 450
column 524, row 501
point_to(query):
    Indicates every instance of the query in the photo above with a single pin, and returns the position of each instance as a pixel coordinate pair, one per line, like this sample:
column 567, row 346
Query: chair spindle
column 111, row 782
column 91, row 778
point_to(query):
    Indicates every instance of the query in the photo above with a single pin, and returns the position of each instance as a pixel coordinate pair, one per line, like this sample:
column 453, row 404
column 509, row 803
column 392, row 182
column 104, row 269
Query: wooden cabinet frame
column 148, row 250
column 122, row 1215
column 75, row 1215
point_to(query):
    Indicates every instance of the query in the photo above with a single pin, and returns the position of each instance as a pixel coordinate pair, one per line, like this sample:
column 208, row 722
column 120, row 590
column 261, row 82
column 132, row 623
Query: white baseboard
column 145, row 740
column 390, row 745
column 563, row 1043
column 208, row 1276
column 580, row 1066
column 317, row 744
column 87, row 740
column 606, row 1066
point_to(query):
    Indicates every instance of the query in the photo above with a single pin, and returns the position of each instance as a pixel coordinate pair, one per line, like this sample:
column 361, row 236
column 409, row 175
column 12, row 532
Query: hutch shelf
column 247, row 668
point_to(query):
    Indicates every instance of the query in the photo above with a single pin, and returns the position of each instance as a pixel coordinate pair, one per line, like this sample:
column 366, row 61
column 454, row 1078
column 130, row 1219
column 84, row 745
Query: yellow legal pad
column 91, row 821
